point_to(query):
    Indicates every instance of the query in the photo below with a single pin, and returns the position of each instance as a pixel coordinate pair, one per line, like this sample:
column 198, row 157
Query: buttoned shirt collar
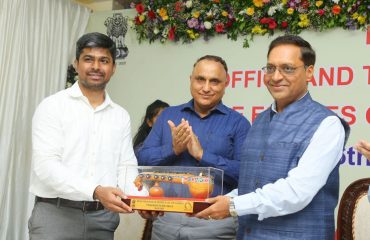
column 219, row 107
column 76, row 92
column 273, row 105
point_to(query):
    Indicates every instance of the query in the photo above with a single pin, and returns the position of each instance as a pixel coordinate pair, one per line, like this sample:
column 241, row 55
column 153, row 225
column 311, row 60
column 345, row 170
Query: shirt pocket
column 220, row 144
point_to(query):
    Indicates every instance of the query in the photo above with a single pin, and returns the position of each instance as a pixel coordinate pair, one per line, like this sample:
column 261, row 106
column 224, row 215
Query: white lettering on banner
column 324, row 77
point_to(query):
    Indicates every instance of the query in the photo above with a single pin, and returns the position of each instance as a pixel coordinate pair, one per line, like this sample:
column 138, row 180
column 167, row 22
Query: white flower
column 156, row 31
column 335, row 1
column 272, row 10
column 189, row 4
column 280, row 6
column 207, row 25
column 209, row 13
column 165, row 32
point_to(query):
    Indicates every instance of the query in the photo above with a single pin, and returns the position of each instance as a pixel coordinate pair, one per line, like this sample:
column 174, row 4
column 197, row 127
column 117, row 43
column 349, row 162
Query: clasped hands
column 183, row 138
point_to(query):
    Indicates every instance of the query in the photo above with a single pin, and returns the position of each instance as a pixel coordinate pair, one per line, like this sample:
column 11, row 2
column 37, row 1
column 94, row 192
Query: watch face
column 233, row 213
column 232, row 208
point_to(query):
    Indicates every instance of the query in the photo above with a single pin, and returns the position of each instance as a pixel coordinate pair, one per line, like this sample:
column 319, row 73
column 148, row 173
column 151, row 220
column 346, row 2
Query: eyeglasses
column 285, row 69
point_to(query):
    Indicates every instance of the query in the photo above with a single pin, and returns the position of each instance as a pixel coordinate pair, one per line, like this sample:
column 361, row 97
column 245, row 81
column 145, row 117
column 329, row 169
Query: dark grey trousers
column 177, row 226
column 48, row 221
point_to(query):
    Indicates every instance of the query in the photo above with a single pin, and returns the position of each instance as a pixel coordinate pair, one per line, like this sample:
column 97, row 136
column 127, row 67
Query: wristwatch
column 232, row 208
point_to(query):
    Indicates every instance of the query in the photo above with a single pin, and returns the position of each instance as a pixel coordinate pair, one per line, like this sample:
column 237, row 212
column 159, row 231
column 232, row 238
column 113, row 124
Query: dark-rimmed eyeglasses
column 285, row 69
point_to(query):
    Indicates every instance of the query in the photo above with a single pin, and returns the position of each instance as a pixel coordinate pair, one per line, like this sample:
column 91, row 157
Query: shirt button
column 257, row 183
column 262, row 157
column 248, row 230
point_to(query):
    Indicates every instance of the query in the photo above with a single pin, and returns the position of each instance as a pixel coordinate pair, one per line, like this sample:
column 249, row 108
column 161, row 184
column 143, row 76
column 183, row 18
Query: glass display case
column 171, row 188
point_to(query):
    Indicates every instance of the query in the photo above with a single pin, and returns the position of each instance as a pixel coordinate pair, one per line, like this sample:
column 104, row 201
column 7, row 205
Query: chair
column 353, row 222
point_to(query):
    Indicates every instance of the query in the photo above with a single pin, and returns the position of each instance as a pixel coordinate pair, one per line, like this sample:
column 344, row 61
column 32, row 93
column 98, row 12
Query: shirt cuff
column 167, row 151
column 246, row 204
column 233, row 193
column 204, row 161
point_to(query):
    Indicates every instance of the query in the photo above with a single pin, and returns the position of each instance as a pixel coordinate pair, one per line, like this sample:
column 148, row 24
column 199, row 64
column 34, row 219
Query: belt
column 82, row 205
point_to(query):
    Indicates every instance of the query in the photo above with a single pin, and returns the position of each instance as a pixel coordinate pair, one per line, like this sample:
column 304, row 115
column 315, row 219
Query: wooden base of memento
column 181, row 205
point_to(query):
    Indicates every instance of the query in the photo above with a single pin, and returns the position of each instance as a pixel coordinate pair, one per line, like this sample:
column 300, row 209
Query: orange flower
column 163, row 14
column 258, row 3
column 336, row 9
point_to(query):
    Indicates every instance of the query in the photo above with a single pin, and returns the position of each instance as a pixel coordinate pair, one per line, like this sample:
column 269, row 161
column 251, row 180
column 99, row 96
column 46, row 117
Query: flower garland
column 187, row 20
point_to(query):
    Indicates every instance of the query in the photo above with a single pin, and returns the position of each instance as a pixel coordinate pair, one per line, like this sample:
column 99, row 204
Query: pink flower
column 219, row 27
column 321, row 12
column 178, row 6
column 137, row 20
column 272, row 24
column 270, row 21
column 140, row 8
column 230, row 23
column 265, row 20
column 284, row 24
column 151, row 14
column 171, row 33
column 305, row 4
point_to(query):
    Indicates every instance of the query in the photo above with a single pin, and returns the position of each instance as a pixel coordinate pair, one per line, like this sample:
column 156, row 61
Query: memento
column 170, row 188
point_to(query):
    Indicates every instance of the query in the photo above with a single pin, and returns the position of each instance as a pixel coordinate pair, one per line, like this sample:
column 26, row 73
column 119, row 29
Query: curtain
column 37, row 41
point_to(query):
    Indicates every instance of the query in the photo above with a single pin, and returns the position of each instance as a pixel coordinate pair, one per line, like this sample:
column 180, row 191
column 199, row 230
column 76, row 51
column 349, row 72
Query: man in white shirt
column 289, row 178
column 81, row 142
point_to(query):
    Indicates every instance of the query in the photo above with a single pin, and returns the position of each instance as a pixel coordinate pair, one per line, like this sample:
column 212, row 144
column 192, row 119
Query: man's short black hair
column 96, row 40
column 212, row 58
column 308, row 55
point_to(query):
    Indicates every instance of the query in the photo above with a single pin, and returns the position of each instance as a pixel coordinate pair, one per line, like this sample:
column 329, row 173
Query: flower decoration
column 187, row 20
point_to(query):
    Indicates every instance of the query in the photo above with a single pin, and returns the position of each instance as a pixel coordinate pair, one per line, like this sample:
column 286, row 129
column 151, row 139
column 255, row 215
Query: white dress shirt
column 293, row 193
column 76, row 147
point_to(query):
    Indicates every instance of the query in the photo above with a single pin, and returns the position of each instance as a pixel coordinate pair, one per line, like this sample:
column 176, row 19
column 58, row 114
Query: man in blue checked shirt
column 205, row 133
column 289, row 170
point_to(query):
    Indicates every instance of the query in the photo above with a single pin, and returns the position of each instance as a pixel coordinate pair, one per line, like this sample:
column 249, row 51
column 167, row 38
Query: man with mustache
column 289, row 170
column 200, row 133
column 81, row 141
